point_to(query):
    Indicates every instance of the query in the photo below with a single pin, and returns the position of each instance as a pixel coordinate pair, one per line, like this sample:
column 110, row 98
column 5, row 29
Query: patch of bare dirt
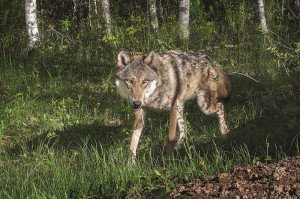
column 273, row 180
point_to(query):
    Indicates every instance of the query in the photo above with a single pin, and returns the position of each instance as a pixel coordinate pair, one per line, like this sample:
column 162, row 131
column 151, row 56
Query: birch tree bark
column 297, row 5
column 31, row 23
column 90, row 16
column 75, row 10
column 95, row 4
column 106, row 16
column 75, row 15
column 262, row 16
column 183, row 18
column 96, row 14
column 153, row 15
column 161, row 11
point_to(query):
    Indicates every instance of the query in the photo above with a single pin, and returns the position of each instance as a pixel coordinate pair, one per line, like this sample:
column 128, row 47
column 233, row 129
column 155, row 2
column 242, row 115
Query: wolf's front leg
column 222, row 122
column 137, row 130
column 175, row 117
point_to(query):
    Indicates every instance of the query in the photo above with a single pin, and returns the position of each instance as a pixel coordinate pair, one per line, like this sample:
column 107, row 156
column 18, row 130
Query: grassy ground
column 65, row 133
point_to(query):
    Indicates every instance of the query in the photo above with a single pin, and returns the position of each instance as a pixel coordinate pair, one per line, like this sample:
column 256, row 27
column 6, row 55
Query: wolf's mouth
column 136, row 108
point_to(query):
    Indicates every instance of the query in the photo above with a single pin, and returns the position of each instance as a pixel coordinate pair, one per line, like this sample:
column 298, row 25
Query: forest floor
column 262, row 180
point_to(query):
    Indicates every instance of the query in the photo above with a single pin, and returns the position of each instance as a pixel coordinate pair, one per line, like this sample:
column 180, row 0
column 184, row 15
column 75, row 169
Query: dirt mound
column 274, row 180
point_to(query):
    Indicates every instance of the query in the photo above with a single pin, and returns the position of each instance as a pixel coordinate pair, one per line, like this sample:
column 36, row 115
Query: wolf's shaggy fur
column 165, row 81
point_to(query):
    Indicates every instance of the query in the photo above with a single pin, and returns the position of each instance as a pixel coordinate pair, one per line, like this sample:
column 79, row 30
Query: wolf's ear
column 123, row 59
column 150, row 58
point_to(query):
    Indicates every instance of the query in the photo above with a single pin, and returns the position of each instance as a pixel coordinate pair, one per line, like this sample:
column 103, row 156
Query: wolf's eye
column 129, row 81
column 145, row 81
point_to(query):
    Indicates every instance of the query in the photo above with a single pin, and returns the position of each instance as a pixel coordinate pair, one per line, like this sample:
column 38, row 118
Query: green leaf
column 157, row 172
column 255, row 160
column 268, row 158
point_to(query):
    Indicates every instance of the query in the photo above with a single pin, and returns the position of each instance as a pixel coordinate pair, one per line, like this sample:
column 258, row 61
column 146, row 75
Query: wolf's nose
column 136, row 104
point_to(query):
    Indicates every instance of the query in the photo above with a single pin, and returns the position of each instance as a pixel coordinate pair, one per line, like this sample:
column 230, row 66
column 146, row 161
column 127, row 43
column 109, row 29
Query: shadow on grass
column 273, row 134
column 104, row 130
column 79, row 135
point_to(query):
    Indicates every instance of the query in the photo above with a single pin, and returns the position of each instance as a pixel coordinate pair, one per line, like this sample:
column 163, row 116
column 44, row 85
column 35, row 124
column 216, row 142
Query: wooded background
column 146, row 25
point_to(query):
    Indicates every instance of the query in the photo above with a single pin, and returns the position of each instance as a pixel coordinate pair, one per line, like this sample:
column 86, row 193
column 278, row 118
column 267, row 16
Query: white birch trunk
column 106, row 16
column 90, row 16
column 75, row 7
column 297, row 4
column 96, row 14
column 161, row 11
column 96, row 10
column 153, row 15
column 262, row 16
column 31, row 23
column 183, row 18
column 76, row 16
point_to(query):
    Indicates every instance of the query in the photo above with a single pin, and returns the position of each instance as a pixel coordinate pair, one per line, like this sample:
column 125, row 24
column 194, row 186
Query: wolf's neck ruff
column 149, row 90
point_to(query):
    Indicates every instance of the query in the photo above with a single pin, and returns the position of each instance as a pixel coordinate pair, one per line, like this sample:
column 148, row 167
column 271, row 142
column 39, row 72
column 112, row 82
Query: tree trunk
column 31, row 23
column 262, row 16
column 106, row 16
column 153, row 15
column 297, row 5
column 161, row 11
column 91, row 16
column 96, row 10
column 96, row 14
column 75, row 16
column 183, row 18
column 75, row 10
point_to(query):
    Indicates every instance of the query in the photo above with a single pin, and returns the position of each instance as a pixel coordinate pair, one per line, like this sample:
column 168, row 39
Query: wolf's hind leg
column 181, row 126
column 211, row 108
column 136, row 134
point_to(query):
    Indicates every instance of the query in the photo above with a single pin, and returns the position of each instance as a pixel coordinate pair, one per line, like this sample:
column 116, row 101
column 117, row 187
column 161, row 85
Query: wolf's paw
column 170, row 148
column 178, row 146
column 169, row 151
column 224, row 130
column 131, row 160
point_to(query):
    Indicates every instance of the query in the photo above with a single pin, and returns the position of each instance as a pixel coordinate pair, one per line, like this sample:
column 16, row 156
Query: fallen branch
column 286, row 45
column 246, row 75
column 217, row 47
column 60, row 34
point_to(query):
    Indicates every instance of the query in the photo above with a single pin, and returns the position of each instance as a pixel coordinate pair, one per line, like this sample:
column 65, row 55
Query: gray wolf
column 165, row 81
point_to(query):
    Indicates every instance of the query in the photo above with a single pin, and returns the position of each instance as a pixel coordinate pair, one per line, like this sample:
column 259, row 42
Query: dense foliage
column 70, row 30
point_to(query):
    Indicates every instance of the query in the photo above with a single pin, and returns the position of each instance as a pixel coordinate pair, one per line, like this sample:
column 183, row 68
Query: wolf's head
column 136, row 77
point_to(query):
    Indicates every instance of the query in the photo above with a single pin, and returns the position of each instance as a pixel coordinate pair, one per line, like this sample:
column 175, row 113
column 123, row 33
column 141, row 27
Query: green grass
column 66, row 135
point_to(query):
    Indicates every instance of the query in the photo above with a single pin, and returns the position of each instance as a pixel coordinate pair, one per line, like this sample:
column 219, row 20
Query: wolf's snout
column 136, row 104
